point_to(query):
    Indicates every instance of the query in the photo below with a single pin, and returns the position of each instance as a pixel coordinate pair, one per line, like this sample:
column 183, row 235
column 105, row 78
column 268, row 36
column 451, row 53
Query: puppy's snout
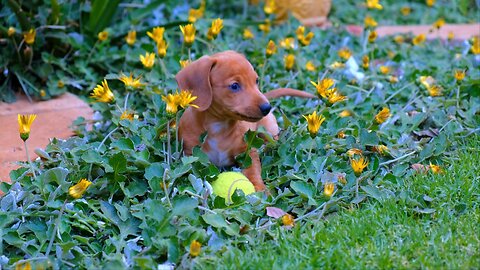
column 265, row 108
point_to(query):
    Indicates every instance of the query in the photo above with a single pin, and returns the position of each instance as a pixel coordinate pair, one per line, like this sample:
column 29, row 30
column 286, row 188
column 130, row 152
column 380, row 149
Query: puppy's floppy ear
column 196, row 78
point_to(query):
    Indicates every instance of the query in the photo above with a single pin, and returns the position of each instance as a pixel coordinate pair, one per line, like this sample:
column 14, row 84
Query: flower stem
column 106, row 137
column 177, row 143
column 28, row 159
column 52, row 238
column 169, row 146
column 91, row 51
column 264, row 67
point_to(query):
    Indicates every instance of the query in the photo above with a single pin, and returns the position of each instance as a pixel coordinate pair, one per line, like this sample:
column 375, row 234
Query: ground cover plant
column 390, row 113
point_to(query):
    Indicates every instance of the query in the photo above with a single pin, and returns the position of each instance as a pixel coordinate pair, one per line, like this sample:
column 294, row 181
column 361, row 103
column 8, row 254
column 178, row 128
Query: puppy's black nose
column 265, row 108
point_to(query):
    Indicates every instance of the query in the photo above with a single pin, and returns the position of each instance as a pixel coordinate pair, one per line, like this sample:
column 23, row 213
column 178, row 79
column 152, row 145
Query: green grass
column 383, row 235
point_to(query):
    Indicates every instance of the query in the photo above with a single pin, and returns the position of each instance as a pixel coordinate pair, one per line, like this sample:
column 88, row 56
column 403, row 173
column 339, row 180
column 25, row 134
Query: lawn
column 379, row 171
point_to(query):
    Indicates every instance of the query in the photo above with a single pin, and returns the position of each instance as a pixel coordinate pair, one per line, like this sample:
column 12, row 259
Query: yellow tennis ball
column 228, row 182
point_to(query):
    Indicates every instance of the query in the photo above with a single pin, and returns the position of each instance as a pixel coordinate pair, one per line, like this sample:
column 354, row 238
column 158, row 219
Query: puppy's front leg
column 254, row 172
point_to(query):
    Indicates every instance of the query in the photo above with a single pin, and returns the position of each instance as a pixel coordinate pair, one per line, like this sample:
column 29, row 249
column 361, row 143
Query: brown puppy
column 230, row 104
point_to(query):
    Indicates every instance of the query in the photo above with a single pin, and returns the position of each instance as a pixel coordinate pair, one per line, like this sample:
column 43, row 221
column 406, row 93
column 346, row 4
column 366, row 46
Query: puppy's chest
column 223, row 143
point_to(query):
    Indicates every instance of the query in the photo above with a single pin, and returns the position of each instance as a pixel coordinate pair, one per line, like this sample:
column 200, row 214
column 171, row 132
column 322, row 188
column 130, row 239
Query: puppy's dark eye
column 234, row 87
column 256, row 81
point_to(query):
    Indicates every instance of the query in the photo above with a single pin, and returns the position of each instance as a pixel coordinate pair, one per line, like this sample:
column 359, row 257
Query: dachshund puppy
column 229, row 104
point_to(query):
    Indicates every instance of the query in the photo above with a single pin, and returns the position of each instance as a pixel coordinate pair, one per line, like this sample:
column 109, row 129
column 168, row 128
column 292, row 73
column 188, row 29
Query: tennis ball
column 228, row 182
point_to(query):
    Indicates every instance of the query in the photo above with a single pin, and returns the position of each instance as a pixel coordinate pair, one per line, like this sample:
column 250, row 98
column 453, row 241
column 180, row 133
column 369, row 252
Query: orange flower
column 195, row 248
column 288, row 220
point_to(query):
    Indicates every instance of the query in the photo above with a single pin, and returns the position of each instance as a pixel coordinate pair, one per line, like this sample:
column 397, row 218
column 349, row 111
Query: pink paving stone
column 54, row 118
column 460, row 31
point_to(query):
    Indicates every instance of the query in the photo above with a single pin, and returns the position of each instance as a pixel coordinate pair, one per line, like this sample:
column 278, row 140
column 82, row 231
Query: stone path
column 460, row 31
column 54, row 117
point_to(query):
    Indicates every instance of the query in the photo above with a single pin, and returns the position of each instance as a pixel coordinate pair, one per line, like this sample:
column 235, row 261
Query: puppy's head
column 226, row 85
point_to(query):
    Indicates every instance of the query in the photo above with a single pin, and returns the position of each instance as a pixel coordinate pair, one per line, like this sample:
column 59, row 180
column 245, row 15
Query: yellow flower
column 288, row 43
column 354, row 151
column 148, row 60
column 271, row 48
column 365, row 61
column 336, row 65
column 130, row 81
column 302, row 38
column 23, row 266
column 29, row 36
column 185, row 99
column 288, row 220
column 102, row 93
column 195, row 248
column 156, row 34
column 419, row 39
column 439, row 23
column 450, row 35
column 341, row 178
column 328, row 189
column 373, row 4
column 43, row 93
column 435, row 168
column 399, row 39
column 131, row 37
column 384, row 69
column 289, row 61
column 77, row 190
column 24, row 124
column 102, row 36
column 60, row 84
column 126, row 116
column 383, row 115
column 459, row 75
column 333, row 96
column 430, row 3
column 305, row 40
column 475, row 46
column 358, row 165
column 323, row 85
column 314, row 122
column 345, row 113
column 344, row 53
column 341, row 134
column 381, row 149
column 194, row 14
column 427, row 81
column 405, row 10
column 310, row 66
column 393, row 79
column 11, row 31
column 370, row 22
column 162, row 48
column 171, row 101
column 188, row 32
column 265, row 27
column 214, row 30
column 248, row 34
column 300, row 31
column 269, row 7
column 434, row 90
column 184, row 63
column 372, row 36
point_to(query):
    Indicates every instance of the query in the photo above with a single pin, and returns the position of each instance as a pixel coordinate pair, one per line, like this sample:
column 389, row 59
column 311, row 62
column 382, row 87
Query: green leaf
column 57, row 175
column 154, row 170
column 368, row 138
column 118, row 163
column 123, row 144
column 183, row 205
column 217, row 221
column 305, row 190
column 101, row 14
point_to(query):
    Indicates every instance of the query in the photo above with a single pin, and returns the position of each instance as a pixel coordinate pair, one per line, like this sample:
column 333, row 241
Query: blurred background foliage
column 66, row 54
